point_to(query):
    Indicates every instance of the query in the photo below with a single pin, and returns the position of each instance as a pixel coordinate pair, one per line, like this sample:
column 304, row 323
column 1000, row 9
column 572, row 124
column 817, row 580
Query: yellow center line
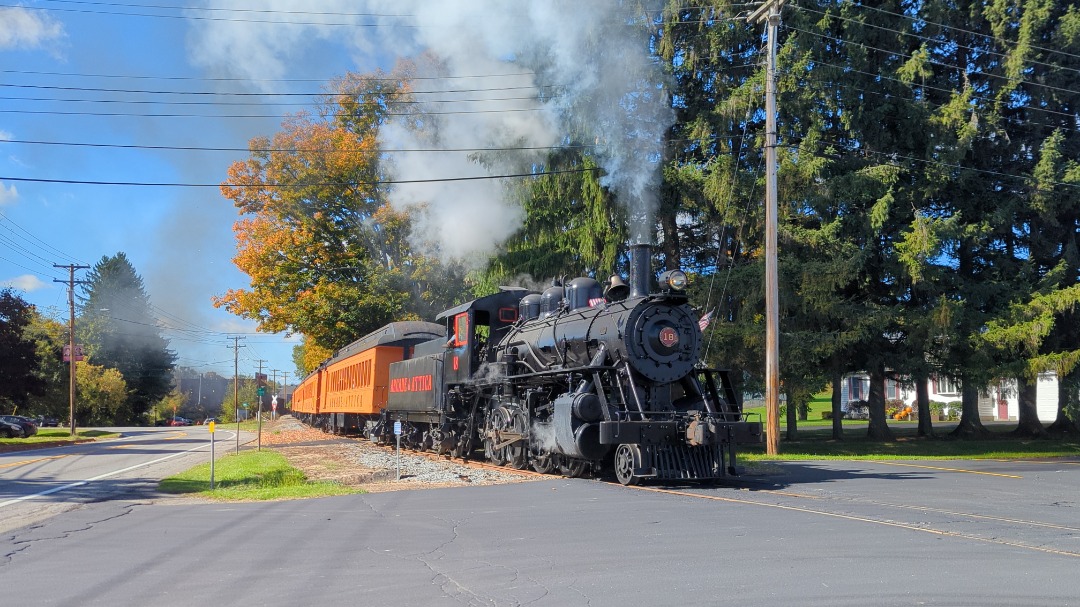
column 1035, row 461
column 179, row 435
column 946, row 469
column 122, row 447
column 862, row 519
column 30, row 461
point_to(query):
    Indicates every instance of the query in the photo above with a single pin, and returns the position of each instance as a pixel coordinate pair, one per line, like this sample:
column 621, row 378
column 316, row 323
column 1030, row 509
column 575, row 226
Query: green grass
column 818, row 404
column 818, row 443
column 251, row 475
column 59, row 435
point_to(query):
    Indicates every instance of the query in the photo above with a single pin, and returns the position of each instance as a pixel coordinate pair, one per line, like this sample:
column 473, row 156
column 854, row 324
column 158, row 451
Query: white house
column 998, row 402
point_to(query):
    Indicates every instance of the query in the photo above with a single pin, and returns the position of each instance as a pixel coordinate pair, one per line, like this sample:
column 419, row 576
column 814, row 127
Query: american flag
column 704, row 321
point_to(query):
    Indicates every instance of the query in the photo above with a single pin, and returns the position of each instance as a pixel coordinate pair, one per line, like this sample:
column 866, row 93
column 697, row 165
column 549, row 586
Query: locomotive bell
column 618, row 290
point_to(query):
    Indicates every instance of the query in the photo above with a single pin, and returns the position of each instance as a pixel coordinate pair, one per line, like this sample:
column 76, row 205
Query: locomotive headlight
column 674, row 280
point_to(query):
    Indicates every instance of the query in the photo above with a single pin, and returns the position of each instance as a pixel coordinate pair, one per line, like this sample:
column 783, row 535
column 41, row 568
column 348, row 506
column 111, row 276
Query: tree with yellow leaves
column 327, row 255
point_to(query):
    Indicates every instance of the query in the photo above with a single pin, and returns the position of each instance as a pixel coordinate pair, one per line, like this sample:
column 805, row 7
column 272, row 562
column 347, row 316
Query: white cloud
column 6, row 136
column 26, row 282
column 8, row 195
column 22, row 28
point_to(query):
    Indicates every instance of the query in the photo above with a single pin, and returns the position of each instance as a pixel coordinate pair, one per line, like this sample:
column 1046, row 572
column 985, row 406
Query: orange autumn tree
column 326, row 254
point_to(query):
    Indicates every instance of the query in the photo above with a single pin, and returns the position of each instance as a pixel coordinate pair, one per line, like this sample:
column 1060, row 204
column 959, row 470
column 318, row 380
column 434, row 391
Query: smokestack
column 640, row 269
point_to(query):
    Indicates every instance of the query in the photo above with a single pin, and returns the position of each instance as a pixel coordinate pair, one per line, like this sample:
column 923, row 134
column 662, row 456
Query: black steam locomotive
column 572, row 380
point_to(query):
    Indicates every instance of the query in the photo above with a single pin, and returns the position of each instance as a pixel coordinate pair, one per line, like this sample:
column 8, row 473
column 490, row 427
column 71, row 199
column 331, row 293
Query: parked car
column 48, row 422
column 26, row 425
column 181, row 421
column 10, row 430
column 206, row 422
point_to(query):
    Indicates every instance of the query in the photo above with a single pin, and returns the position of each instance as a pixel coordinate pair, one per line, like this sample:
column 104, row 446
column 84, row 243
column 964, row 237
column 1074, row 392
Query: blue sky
column 167, row 92
column 178, row 238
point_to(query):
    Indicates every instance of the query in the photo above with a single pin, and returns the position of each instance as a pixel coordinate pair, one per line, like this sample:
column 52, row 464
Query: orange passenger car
column 350, row 389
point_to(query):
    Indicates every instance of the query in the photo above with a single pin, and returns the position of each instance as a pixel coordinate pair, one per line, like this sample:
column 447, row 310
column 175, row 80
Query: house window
column 947, row 386
column 856, row 389
column 892, row 389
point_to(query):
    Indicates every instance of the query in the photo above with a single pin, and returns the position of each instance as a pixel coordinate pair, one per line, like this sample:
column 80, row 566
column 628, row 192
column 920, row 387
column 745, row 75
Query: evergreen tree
column 121, row 332
column 19, row 359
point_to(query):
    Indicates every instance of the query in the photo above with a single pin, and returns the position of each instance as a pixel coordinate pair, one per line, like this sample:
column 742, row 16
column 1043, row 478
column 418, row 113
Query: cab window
column 461, row 329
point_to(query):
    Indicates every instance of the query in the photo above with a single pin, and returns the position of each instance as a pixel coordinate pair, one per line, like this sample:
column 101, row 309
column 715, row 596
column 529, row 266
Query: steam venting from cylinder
column 640, row 269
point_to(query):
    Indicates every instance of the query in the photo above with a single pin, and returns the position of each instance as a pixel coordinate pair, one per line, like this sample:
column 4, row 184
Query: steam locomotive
column 576, row 379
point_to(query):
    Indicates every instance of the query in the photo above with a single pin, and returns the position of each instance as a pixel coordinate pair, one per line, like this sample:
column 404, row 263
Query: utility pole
column 769, row 12
column 236, row 387
column 72, row 358
column 285, row 390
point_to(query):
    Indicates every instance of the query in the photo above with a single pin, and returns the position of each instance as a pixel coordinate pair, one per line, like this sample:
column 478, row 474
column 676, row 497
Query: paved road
column 804, row 533
column 39, row 483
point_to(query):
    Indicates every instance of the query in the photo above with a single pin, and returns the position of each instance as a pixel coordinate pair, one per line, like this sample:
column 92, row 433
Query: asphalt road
column 38, row 483
column 805, row 533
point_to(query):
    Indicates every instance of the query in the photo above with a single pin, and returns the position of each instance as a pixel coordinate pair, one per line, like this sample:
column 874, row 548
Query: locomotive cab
column 473, row 327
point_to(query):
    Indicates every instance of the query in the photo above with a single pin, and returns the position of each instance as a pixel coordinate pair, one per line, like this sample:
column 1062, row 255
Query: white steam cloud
column 492, row 74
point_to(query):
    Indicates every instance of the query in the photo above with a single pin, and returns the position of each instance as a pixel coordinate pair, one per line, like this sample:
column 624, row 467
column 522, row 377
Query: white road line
column 98, row 478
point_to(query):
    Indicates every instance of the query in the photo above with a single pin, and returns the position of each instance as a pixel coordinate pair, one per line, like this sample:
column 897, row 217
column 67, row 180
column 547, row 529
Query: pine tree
column 121, row 332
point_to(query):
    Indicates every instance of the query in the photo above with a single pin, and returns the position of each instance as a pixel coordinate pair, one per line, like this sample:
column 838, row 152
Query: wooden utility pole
column 285, row 390
column 72, row 357
column 236, row 387
column 769, row 12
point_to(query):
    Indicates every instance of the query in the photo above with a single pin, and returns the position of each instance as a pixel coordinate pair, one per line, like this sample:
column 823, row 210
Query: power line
column 228, row 10
column 898, row 54
column 970, row 32
column 51, row 87
column 253, row 116
column 297, row 185
column 218, row 19
column 227, row 79
column 31, row 236
column 953, row 43
column 287, row 150
column 263, row 104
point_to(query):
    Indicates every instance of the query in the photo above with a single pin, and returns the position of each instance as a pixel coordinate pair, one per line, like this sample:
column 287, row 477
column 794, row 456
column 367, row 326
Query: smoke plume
column 498, row 74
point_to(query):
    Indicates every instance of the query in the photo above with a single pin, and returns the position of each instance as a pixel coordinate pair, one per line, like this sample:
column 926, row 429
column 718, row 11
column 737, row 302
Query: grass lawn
column 251, row 475
column 52, row 437
column 815, row 441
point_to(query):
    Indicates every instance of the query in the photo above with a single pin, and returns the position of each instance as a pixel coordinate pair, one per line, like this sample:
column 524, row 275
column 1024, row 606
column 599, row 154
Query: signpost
column 211, row 456
column 238, row 428
column 397, row 436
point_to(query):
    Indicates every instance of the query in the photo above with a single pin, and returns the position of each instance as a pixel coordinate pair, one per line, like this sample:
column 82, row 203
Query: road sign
column 261, row 391
column 397, row 428
column 245, row 405
column 211, row 427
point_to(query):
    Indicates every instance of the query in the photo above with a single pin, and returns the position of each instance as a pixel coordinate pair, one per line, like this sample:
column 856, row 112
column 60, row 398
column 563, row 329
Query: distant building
column 997, row 402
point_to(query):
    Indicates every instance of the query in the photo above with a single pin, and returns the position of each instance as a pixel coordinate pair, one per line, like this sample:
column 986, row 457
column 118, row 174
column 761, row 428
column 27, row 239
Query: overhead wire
column 952, row 43
column 1009, row 79
column 189, row 17
column 298, row 185
column 31, row 237
column 291, row 150
column 970, row 32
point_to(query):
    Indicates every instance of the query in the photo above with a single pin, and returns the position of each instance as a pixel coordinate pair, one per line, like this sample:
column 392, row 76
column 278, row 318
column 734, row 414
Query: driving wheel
column 627, row 459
